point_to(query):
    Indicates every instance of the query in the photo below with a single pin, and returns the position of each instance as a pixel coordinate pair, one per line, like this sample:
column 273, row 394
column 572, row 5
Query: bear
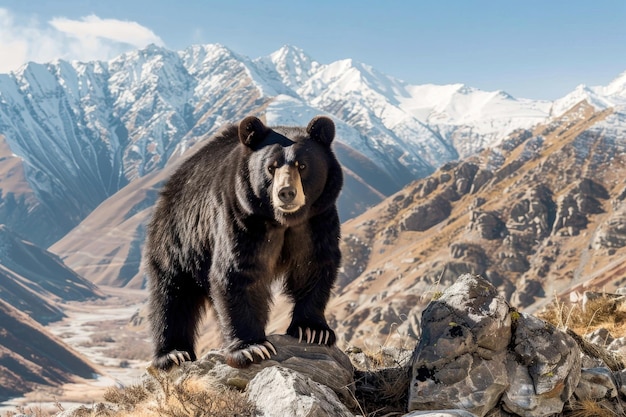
column 255, row 204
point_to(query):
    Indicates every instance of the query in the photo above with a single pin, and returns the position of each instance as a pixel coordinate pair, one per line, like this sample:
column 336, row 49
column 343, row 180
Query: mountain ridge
column 83, row 131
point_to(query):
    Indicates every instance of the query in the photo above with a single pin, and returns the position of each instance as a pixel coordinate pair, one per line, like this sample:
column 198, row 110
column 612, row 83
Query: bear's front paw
column 313, row 335
column 175, row 357
column 247, row 355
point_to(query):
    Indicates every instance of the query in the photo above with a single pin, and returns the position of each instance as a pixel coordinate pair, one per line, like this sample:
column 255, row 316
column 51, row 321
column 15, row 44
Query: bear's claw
column 262, row 350
column 179, row 357
column 324, row 335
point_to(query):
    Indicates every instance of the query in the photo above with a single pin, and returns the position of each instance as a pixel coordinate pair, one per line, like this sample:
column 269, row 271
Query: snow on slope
column 601, row 97
column 85, row 130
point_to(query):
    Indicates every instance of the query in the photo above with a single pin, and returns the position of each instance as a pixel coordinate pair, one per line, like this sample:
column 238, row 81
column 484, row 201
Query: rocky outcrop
column 534, row 213
column 424, row 216
column 322, row 365
column 278, row 391
column 460, row 361
column 477, row 356
column 575, row 206
column 612, row 233
column 488, row 224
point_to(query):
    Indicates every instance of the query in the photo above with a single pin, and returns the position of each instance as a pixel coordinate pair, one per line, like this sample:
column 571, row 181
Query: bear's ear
column 252, row 131
column 321, row 129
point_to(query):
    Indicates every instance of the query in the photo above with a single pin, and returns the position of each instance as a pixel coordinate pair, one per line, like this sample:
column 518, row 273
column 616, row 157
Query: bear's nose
column 287, row 194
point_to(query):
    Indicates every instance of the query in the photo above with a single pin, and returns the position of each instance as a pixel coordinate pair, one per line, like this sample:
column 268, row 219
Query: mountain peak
column 617, row 86
column 290, row 51
column 291, row 65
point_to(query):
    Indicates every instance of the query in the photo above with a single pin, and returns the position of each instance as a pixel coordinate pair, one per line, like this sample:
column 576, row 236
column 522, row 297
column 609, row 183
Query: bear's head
column 292, row 171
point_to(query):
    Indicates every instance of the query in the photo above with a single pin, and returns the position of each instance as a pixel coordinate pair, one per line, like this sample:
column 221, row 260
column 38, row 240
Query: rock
column 620, row 378
column 576, row 204
column 460, row 360
column 600, row 337
column 618, row 346
column 470, row 253
column 278, row 391
column 488, row 224
column 596, row 383
column 430, row 185
column 426, row 215
column 534, row 214
column 481, row 178
column 544, row 368
column 464, row 177
column 527, row 291
column 328, row 366
column 612, row 232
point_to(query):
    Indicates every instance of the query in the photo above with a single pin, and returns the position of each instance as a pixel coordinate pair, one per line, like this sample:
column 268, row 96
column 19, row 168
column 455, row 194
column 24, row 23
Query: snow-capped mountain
column 76, row 133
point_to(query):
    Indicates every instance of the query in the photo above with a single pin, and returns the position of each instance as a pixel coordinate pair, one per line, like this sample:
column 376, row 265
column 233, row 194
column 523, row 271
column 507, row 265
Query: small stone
column 596, row 383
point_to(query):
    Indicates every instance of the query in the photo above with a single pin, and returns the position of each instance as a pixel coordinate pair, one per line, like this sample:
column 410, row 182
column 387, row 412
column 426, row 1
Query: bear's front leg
column 309, row 288
column 312, row 274
column 242, row 306
column 308, row 324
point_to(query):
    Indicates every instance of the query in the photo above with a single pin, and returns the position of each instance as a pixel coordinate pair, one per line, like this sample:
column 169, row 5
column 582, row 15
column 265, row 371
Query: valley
column 101, row 331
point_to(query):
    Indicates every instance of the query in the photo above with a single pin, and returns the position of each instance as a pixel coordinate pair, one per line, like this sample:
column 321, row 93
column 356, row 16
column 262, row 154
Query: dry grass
column 189, row 398
column 599, row 313
column 160, row 397
column 590, row 408
column 32, row 411
column 383, row 390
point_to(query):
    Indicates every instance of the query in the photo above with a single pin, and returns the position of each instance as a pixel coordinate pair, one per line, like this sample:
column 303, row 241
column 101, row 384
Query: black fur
column 217, row 239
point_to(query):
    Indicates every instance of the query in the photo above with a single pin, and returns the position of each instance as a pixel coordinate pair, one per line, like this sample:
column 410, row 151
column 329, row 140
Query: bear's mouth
column 288, row 208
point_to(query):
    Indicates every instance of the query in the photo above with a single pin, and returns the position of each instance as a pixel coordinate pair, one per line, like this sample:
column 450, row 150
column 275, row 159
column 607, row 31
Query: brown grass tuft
column 590, row 408
column 189, row 398
column 599, row 313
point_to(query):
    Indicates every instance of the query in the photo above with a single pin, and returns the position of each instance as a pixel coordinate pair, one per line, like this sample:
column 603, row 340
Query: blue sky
column 531, row 49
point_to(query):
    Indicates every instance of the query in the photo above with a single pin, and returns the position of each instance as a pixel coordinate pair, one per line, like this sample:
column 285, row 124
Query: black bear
column 253, row 205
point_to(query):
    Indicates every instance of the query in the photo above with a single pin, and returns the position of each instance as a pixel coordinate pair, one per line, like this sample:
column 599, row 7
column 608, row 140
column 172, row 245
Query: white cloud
column 90, row 38
column 131, row 33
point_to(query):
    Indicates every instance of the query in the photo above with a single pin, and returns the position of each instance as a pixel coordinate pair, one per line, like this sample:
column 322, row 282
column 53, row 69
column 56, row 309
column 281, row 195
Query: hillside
column 34, row 284
column 31, row 357
column 541, row 215
column 36, row 281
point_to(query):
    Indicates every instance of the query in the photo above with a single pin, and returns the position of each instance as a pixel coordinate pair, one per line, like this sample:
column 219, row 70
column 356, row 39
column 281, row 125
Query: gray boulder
column 544, row 369
column 424, row 216
column 460, row 361
column 278, row 391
